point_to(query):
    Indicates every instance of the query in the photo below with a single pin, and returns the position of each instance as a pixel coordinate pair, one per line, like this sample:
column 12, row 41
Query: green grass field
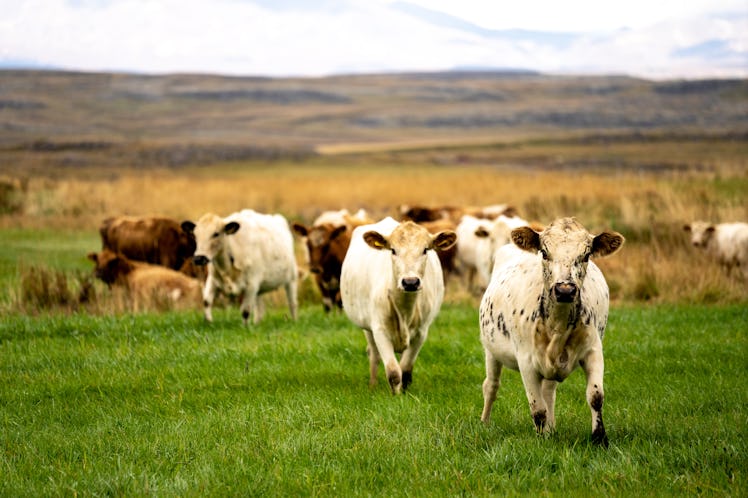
column 168, row 405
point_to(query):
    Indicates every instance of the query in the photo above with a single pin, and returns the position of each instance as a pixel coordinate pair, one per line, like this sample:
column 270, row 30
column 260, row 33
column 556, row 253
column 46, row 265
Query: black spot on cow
column 501, row 324
column 597, row 401
column 521, row 312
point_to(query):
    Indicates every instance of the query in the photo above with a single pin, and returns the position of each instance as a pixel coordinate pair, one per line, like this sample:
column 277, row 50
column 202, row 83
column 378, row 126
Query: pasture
column 98, row 399
column 168, row 405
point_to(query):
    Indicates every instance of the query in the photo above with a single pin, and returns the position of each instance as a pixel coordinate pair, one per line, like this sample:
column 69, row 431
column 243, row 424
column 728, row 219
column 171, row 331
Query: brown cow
column 143, row 281
column 327, row 245
column 155, row 240
column 455, row 213
column 327, row 242
column 446, row 256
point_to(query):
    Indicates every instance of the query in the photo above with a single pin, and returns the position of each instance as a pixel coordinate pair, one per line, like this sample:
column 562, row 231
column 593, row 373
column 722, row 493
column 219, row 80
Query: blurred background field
column 636, row 156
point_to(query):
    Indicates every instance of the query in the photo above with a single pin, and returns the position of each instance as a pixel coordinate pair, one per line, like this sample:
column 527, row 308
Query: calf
column 145, row 281
column 544, row 313
column 247, row 253
column 726, row 242
column 392, row 287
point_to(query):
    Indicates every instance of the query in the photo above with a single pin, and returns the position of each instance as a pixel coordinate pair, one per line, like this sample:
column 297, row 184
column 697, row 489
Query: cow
column 144, row 281
column 447, row 257
column 326, row 246
column 490, row 237
column 727, row 243
column 152, row 239
column 392, row 287
column 454, row 213
column 544, row 313
column 326, row 243
column 247, row 253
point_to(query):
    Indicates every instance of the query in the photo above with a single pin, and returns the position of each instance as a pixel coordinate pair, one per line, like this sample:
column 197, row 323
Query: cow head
column 566, row 247
column 209, row 231
column 110, row 266
column 319, row 242
column 409, row 244
column 701, row 233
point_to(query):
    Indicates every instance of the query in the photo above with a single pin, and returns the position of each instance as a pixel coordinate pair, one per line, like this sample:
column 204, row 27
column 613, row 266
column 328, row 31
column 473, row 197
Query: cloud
column 297, row 37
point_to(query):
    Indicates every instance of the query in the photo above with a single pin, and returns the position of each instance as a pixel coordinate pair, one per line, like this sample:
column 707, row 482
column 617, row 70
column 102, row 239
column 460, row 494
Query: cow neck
column 405, row 305
column 225, row 262
column 561, row 319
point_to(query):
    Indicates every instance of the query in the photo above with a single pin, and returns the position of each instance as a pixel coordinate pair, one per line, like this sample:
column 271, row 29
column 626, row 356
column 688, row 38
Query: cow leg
column 292, row 298
column 408, row 358
column 249, row 304
column 548, row 388
column 534, row 391
column 593, row 366
column 373, row 354
column 490, row 385
column 387, row 353
column 209, row 294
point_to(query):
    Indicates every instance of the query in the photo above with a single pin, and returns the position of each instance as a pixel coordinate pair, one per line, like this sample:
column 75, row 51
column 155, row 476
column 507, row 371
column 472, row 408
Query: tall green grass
column 166, row 404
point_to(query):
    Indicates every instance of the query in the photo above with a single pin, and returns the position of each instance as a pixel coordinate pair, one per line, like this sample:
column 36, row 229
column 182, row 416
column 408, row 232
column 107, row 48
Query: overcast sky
column 646, row 38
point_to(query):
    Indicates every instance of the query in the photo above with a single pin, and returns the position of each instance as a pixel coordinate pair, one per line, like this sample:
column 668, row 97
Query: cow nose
column 200, row 260
column 411, row 284
column 565, row 292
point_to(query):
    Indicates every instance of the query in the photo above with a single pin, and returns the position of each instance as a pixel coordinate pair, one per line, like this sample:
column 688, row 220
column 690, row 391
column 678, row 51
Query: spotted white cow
column 726, row 242
column 544, row 313
column 247, row 253
column 392, row 287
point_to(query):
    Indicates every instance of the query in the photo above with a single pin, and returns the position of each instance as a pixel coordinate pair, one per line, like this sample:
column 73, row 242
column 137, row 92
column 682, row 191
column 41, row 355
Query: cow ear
column 93, row 257
column 444, row 240
column 231, row 228
column 606, row 243
column 188, row 226
column 526, row 239
column 337, row 232
column 375, row 240
column 300, row 229
column 481, row 233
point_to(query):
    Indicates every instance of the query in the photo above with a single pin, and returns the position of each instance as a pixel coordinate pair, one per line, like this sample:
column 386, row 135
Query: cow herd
column 544, row 308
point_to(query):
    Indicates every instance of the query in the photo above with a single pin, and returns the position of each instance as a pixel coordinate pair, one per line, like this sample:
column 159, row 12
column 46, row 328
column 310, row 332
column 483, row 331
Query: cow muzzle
column 411, row 284
column 565, row 292
column 200, row 260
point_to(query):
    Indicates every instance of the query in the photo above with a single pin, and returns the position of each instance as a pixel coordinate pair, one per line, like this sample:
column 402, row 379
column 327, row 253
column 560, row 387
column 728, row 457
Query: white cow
column 544, row 313
column 489, row 238
column 392, row 287
column 246, row 252
column 477, row 239
column 726, row 242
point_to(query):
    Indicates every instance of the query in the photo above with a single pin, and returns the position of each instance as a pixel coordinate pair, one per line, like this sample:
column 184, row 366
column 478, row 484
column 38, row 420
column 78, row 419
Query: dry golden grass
column 648, row 207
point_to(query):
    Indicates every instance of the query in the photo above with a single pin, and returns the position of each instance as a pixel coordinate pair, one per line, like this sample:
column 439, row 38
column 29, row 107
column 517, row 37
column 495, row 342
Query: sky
column 642, row 38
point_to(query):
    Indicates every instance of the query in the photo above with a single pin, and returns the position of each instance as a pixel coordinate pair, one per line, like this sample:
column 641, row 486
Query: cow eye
column 394, row 253
column 544, row 254
column 425, row 250
column 585, row 258
column 216, row 234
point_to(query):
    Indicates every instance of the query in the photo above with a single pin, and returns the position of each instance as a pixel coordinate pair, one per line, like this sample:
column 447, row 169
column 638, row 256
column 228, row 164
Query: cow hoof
column 600, row 438
column 407, row 380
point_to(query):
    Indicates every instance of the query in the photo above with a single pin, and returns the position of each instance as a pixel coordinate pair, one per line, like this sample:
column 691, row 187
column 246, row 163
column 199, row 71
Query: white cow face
column 701, row 233
column 566, row 247
column 209, row 232
column 409, row 244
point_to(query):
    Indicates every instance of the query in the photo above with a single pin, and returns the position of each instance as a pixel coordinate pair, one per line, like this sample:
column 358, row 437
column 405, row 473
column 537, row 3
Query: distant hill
column 179, row 117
